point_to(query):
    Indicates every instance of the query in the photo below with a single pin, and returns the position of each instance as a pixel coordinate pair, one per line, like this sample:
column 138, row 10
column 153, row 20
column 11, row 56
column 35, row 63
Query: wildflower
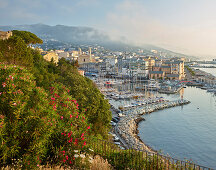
column 82, row 155
column 64, row 160
column 52, row 98
column 76, row 155
column 84, row 143
column 61, row 117
column 3, row 84
column 14, row 104
column 76, row 151
column 88, row 127
column 66, row 157
column 77, row 116
column 71, row 116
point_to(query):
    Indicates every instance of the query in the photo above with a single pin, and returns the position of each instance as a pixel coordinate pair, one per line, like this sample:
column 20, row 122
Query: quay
column 126, row 128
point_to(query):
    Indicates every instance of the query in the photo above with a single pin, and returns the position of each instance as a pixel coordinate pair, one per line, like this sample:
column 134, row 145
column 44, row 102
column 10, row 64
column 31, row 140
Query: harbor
column 127, row 126
column 133, row 101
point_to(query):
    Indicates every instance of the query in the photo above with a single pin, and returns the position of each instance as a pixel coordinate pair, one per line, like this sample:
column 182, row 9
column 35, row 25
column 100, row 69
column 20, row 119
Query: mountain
column 82, row 35
column 62, row 33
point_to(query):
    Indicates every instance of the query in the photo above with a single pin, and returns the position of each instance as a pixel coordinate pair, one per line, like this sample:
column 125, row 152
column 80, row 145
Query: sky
column 186, row 26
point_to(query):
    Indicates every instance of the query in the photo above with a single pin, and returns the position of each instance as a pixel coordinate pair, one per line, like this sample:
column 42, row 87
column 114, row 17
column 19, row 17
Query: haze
column 186, row 26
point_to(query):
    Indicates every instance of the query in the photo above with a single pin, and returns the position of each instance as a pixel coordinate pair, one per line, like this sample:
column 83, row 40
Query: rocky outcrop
column 5, row 35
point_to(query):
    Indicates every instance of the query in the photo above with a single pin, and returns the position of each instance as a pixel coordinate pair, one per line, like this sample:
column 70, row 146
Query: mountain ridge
column 81, row 35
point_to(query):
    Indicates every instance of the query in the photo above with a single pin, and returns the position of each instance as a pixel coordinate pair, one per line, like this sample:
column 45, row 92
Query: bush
column 23, row 108
column 36, row 126
column 71, row 128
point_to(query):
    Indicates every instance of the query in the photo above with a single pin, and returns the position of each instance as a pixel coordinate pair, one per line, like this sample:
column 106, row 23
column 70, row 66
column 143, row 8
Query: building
column 63, row 55
column 5, row 35
column 166, row 69
column 51, row 55
column 156, row 74
column 151, row 62
column 177, row 68
column 84, row 58
column 173, row 76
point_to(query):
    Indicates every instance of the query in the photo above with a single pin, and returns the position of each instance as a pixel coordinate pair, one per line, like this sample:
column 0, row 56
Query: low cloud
column 131, row 19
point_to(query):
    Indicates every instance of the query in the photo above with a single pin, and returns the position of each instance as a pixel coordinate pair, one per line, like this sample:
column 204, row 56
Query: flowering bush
column 71, row 128
column 23, row 107
column 35, row 125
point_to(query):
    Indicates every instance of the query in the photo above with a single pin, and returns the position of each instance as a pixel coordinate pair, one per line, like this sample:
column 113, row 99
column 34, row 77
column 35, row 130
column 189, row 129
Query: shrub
column 23, row 108
column 36, row 126
column 71, row 128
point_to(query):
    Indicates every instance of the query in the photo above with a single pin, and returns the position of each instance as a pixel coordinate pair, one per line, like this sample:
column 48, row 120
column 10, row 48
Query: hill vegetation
column 46, row 111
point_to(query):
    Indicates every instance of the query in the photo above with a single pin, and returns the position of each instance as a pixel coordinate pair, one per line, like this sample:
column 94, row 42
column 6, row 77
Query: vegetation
column 28, row 37
column 40, row 118
column 15, row 50
column 190, row 70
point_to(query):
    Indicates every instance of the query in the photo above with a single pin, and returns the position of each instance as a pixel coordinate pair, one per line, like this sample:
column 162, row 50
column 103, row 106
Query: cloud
column 131, row 19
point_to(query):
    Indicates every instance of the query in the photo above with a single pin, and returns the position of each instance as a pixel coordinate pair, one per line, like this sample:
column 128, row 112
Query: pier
column 127, row 126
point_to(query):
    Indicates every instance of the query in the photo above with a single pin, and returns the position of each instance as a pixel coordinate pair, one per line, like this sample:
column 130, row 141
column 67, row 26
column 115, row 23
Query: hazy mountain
column 62, row 33
column 81, row 35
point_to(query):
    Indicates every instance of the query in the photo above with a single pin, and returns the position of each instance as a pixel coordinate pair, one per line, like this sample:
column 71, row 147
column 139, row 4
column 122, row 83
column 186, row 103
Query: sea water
column 184, row 132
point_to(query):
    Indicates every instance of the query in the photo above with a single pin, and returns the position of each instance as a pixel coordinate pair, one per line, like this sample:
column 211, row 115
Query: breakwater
column 127, row 126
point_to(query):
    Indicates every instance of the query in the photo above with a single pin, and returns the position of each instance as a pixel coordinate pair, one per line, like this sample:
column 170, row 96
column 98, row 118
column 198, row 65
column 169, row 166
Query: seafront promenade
column 127, row 126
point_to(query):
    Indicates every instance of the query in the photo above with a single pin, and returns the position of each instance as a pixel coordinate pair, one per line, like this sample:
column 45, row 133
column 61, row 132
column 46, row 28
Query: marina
column 132, row 103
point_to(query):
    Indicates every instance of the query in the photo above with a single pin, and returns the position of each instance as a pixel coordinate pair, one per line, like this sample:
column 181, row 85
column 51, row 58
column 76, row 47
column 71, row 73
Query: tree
column 15, row 51
column 28, row 37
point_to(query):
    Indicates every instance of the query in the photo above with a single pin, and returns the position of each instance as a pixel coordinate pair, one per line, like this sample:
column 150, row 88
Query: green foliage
column 190, row 70
column 23, row 108
column 15, row 51
column 28, row 37
column 71, row 128
column 89, row 98
column 44, row 72
column 37, row 126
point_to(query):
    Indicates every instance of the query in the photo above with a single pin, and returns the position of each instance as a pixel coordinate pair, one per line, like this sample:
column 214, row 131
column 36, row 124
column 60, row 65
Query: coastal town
column 108, row 85
column 133, row 82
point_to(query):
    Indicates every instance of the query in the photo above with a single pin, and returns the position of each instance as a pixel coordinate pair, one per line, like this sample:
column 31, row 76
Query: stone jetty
column 127, row 126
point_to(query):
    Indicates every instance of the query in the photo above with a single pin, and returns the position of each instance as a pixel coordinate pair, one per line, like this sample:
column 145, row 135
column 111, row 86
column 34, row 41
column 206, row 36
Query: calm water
column 209, row 70
column 186, row 131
